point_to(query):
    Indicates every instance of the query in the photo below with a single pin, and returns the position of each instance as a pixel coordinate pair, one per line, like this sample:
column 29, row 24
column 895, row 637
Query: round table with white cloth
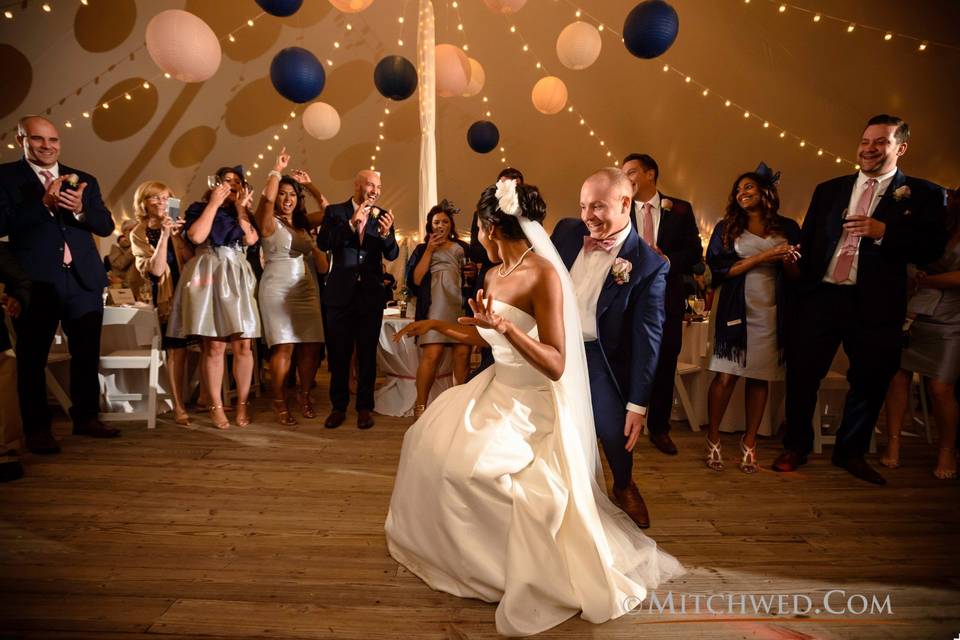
column 397, row 363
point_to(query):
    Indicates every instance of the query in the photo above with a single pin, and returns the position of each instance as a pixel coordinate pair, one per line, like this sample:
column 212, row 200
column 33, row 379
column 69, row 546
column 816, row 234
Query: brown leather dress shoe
column 95, row 429
column 42, row 444
column 664, row 443
column 859, row 468
column 335, row 419
column 631, row 502
column 364, row 419
column 788, row 460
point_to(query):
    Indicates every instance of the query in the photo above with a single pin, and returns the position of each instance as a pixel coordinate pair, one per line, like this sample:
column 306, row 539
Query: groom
column 620, row 284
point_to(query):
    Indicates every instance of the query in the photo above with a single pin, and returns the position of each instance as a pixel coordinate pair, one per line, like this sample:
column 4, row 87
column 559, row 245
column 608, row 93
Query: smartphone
column 173, row 208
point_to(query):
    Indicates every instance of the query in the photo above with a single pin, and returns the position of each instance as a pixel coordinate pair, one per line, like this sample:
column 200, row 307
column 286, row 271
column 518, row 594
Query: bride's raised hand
column 413, row 329
column 484, row 315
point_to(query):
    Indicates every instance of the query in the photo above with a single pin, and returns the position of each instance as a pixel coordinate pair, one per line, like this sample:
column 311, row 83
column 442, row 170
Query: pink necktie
column 648, row 223
column 47, row 179
column 592, row 244
column 850, row 243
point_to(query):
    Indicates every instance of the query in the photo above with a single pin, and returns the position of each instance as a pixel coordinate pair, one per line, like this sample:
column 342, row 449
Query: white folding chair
column 58, row 354
column 686, row 369
column 832, row 382
column 145, row 335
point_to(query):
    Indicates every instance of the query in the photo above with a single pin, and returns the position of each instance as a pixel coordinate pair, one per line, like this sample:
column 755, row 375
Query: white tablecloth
column 696, row 350
column 397, row 362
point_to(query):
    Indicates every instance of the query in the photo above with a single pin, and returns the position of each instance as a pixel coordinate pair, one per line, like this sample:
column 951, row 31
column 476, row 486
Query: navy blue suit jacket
column 356, row 272
column 915, row 234
column 630, row 315
column 37, row 237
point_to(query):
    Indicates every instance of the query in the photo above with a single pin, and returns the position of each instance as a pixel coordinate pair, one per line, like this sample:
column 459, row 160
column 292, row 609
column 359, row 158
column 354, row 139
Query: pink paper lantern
column 183, row 45
column 505, row 7
column 453, row 71
column 351, row 6
column 549, row 95
column 477, row 79
column 578, row 45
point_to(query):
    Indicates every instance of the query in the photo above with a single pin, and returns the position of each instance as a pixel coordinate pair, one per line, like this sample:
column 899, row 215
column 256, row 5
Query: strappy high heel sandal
column 182, row 418
column 945, row 472
column 418, row 410
column 281, row 414
column 225, row 423
column 714, row 459
column 306, row 405
column 891, row 461
column 748, row 463
column 243, row 413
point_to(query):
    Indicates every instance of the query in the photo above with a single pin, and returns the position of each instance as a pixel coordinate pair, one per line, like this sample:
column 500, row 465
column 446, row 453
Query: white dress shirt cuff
column 636, row 408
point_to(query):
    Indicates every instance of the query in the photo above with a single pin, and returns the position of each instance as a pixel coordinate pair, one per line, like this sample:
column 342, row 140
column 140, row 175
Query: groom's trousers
column 609, row 415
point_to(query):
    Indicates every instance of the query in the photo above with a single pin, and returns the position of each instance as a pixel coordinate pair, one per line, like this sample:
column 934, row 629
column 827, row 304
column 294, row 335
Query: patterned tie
column 648, row 223
column 47, row 179
column 592, row 244
column 850, row 243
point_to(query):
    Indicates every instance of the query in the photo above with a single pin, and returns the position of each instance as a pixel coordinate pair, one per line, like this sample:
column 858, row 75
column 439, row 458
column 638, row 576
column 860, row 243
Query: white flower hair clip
column 507, row 199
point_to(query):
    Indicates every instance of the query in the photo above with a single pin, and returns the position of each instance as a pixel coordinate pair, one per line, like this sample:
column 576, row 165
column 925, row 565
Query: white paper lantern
column 549, row 95
column 321, row 121
column 183, row 45
column 477, row 79
column 505, row 6
column 578, row 45
column 351, row 6
column 452, row 69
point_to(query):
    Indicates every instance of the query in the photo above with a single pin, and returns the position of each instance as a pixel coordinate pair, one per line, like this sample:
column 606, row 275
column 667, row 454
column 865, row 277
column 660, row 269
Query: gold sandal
column 891, row 462
column 748, row 463
column 243, row 417
column 281, row 414
column 418, row 410
column 714, row 459
column 225, row 424
column 306, row 405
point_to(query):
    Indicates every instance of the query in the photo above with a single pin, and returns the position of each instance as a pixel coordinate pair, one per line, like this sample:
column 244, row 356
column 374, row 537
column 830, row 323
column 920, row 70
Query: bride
column 498, row 494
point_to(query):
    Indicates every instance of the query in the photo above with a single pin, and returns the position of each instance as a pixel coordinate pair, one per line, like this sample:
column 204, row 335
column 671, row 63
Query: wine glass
column 213, row 182
column 698, row 305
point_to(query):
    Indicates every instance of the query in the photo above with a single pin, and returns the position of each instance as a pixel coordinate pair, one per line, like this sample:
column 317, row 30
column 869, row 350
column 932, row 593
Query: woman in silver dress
column 434, row 274
column 215, row 297
column 289, row 298
column 750, row 251
column 933, row 351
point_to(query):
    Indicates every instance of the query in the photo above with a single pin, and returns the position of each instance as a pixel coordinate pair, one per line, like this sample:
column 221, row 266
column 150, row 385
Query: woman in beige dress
column 289, row 297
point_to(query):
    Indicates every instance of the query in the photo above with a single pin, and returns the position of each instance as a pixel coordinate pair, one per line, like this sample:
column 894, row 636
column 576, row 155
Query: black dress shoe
column 364, row 419
column 859, row 468
column 335, row 419
column 10, row 471
column 42, row 444
column 95, row 429
column 789, row 460
column 664, row 443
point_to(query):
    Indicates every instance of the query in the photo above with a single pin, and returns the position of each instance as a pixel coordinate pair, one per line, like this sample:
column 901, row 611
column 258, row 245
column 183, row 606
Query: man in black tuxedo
column 859, row 233
column 668, row 225
column 49, row 219
column 360, row 236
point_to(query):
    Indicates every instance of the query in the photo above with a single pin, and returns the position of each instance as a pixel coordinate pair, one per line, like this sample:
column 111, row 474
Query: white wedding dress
column 496, row 497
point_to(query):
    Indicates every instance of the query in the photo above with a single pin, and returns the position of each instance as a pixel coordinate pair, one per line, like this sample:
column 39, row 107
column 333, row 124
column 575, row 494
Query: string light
column 851, row 26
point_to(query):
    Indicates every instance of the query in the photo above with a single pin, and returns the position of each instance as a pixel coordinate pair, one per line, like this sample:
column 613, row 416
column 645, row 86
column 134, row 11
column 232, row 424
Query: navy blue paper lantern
column 280, row 8
column 483, row 136
column 297, row 75
column 395, row 78
column 650, row 28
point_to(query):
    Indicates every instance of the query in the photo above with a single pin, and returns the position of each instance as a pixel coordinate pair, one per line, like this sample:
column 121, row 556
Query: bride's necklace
column 514, row 267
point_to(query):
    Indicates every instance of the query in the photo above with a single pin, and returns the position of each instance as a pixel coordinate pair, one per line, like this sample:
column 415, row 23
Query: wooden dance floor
column 269, row 532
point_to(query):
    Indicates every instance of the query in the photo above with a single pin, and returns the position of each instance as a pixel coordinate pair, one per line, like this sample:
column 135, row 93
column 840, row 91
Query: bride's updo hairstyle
column 532, row 207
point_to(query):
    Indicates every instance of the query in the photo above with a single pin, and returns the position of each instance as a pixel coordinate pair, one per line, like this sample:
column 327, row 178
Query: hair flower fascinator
column 767, row 173
column 507, row 199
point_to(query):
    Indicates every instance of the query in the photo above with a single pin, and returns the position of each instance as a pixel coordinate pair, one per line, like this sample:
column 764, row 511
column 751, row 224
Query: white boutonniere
column 621, row 270
column 901, row 193
column 666, row 204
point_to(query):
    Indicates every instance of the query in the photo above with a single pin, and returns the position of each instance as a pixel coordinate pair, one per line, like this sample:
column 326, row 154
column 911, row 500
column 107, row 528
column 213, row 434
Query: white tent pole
column 426, row 40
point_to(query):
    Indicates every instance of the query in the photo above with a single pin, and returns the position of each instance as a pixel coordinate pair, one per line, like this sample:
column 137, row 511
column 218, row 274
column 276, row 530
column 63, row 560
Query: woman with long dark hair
column 434, row 275
column 215, row 298
column 750, row 251
column 289, row 297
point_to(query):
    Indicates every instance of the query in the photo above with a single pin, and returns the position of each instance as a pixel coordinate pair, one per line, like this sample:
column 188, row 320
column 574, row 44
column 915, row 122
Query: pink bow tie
column 592, row 244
